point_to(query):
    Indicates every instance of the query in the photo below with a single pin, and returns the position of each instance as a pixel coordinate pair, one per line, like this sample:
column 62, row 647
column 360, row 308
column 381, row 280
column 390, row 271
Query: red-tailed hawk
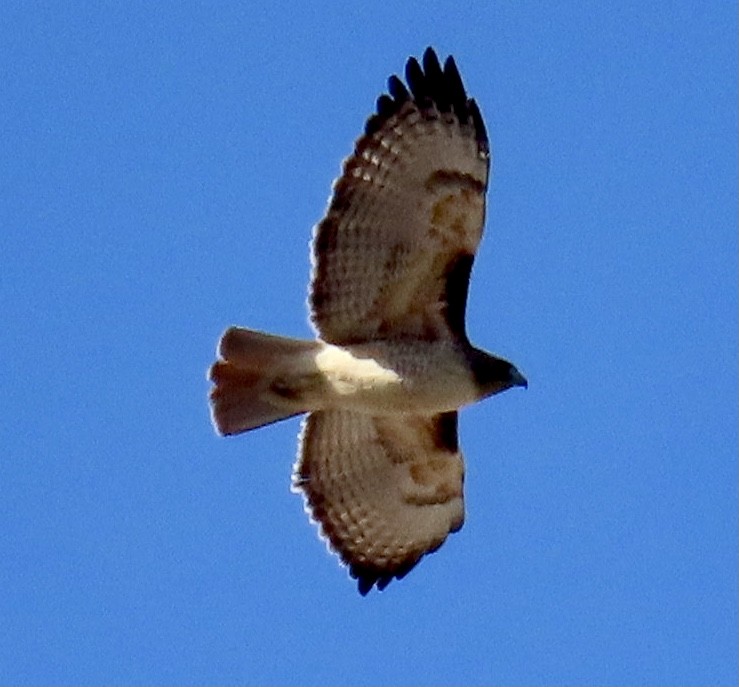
column 379, row 463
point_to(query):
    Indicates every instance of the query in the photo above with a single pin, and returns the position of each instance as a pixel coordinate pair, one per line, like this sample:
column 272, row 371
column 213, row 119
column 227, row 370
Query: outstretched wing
column 384, row 491
column 392, row 257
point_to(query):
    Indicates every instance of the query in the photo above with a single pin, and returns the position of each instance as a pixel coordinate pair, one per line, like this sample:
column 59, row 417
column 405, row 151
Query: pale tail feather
column 250, row 360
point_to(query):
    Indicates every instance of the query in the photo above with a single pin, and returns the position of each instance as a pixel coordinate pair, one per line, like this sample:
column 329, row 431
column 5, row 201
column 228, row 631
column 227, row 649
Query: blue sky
column 162, row 165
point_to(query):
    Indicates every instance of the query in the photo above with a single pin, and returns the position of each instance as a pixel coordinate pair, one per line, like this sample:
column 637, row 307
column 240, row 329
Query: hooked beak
column 517, row 379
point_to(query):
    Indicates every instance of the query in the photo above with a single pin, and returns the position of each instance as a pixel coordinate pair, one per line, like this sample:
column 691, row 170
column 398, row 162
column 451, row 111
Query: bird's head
column 493, row 374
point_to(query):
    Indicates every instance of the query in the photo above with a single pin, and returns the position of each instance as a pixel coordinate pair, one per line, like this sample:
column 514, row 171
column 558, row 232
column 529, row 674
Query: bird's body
column 379, row 462
column 382, row 377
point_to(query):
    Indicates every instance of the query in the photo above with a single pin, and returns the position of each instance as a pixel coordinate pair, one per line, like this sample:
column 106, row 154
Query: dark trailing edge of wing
column 430, row 87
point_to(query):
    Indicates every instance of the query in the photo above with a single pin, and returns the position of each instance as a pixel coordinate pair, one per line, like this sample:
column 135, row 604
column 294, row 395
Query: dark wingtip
column 430, row 86
column 368, row 575
column 364, row 584
column 397, row 89
column 480, row 130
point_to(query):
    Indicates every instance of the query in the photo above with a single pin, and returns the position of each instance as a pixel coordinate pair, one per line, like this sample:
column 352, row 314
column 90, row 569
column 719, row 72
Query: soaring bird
column 379, row 463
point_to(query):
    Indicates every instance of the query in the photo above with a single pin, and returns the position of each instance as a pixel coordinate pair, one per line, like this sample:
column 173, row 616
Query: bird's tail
column 246, row 376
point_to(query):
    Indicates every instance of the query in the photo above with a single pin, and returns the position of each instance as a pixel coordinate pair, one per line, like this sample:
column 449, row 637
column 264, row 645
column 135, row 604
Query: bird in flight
column 379, row 463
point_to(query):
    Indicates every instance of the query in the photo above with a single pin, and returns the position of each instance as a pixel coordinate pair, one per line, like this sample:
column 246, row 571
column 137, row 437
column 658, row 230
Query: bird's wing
column 393, row 254
column 384, row 490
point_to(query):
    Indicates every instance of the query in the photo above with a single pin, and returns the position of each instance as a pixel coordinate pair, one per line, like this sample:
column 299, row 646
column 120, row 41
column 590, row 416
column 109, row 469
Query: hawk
column 379, row 463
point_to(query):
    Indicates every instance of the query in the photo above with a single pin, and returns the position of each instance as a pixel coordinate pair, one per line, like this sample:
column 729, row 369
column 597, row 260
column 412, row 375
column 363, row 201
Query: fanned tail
column 250, row 361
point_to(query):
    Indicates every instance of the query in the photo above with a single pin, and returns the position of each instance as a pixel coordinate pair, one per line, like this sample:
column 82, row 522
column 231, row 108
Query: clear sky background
column 161, row 166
